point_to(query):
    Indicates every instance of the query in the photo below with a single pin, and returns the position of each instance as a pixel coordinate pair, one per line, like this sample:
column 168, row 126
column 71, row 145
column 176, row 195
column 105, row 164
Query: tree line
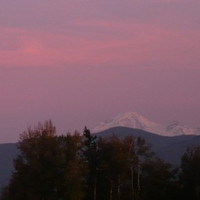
column 87, row 167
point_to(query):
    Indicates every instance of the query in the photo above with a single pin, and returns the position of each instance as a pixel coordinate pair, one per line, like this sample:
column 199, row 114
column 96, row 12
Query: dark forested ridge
column 117, row 163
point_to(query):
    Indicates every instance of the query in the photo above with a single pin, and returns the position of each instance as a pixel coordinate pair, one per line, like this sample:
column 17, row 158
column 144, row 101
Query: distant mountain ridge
column 8, row 152
column 136, row 121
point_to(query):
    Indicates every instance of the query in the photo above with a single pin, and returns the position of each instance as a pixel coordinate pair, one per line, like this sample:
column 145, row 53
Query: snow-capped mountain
column 134, row 120
column 178, row 129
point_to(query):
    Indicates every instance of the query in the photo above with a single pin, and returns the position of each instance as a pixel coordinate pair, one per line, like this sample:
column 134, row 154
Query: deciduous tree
column 47, row 168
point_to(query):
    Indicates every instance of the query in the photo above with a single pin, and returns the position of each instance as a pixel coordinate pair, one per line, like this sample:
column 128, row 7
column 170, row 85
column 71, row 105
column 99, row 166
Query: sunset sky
column 80, row 62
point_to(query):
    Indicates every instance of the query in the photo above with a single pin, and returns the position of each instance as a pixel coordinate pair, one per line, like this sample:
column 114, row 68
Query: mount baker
column 136, row 121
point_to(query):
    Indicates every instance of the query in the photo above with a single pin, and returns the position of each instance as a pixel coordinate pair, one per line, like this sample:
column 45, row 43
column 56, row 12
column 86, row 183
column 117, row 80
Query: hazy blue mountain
column 8, row 152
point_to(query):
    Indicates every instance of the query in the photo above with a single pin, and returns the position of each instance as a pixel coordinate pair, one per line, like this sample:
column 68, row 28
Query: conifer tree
column 90, row 158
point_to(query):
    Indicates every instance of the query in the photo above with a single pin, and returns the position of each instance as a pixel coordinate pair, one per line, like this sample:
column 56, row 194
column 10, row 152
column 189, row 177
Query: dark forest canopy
column 87, row 167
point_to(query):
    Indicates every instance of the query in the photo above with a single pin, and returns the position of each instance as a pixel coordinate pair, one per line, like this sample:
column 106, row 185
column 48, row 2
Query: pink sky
column 79, row 62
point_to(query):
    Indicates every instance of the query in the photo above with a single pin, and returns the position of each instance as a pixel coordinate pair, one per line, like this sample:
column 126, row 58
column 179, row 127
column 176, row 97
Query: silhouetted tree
column 112, row 165
column 120, row 166
column 158, row 180
column 190, row 173
column 89, row 156
column 47, row 166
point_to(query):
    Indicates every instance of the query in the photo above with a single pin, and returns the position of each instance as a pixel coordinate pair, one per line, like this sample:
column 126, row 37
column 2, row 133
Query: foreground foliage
column 190, row 173
column 74, row 167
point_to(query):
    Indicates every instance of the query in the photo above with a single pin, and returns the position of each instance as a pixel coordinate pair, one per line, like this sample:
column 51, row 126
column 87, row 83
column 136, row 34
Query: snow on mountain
column 178, row 129
column 134, row 120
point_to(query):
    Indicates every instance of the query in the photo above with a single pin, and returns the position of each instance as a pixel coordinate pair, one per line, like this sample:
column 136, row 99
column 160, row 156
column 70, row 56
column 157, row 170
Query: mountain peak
column 128, row 119
column 134, row 120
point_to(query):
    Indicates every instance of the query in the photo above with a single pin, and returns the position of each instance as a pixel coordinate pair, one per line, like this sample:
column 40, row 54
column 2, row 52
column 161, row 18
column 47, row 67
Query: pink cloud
column 116, row 43
column 168, row 1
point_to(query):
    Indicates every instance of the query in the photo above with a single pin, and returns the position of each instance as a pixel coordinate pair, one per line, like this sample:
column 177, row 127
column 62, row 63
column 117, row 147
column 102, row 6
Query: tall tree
column 190, row 173
column 89, row 155
column 34, row 173
column 47, row 166
column 158, row 180
column 120, row 162
column 73, row 185
column 112, row 165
